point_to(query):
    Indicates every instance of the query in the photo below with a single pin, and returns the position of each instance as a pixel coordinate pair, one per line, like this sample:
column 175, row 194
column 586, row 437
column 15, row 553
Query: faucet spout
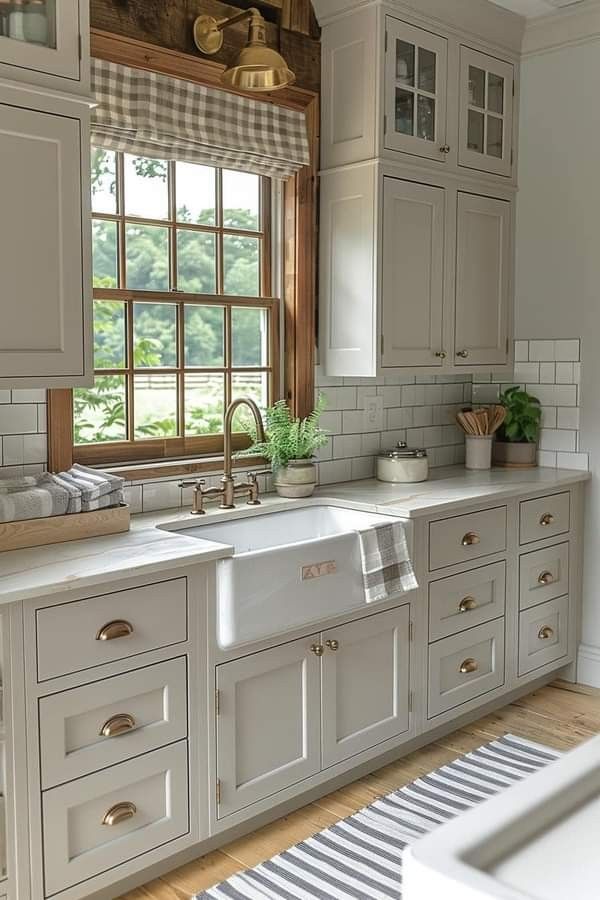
column 227, row 429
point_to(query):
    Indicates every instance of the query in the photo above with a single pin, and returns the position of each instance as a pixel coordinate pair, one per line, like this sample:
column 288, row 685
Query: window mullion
column 130, row 371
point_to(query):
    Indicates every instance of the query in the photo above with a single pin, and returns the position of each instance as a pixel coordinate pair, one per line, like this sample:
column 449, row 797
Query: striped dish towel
column 387, row 568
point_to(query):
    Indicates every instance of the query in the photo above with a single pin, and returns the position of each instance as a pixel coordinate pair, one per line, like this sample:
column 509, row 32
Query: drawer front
column 545, row 517
column 463, row 601
column 465, row 666
column 99, row 822
column 543, row 575
column 543, row 634
column 86, row 633
column 467, row 537
column 97, row 725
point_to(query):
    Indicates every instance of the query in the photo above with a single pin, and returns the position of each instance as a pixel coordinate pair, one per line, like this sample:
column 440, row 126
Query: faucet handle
column 196, row 483
column 253, row 490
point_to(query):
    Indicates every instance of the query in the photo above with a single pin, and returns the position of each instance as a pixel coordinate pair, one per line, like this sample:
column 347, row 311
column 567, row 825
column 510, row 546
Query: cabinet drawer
column 461, row 538
column 543, row 634
column 146, row 800
column 465, row 666
column 543, row 575
column 463, row 601
column 97, row 725
column 86, row 633
column 545, row 517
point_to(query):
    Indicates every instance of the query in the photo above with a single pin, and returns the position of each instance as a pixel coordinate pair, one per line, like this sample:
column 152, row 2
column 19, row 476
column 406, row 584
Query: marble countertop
column 156, row 543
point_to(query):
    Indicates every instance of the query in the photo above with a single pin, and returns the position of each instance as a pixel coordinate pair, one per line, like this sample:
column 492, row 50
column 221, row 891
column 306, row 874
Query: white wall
column 558, row 256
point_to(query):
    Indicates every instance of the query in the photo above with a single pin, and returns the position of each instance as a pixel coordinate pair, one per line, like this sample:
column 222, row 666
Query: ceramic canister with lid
column 403, row 465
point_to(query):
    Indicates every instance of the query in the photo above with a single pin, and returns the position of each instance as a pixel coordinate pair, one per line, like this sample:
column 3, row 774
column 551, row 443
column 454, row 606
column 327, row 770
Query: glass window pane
column 494, row 137
column 99, row 412
column 147, row 258
column 495, row 93
column 253, row 385
column 195, row 190
column 104, row 248
column 104, row 181
column 476, row 87
column 426, row 118
column 241, row 200
column 146, row 187
column 196, row 262
column 249, row 337
column 405, row 62
column 154, row 335
column 204, row 403
column 405, row 112
column 37, row 25
column 427, row 66
column 109, row 334
column 475, row 136
column 241, row 266
column 155, row 399
column 204, row 336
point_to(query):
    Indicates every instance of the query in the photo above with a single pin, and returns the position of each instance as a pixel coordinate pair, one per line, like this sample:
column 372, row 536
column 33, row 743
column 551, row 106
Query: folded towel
column 74, row 493
column 33, row 501
column 45, row 495
column 386, row 564
column 112, row 499
column 96, row 476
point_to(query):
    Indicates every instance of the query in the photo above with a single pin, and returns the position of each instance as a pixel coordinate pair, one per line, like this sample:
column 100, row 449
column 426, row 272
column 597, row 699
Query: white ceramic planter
column 297, row 479
column 478, row 451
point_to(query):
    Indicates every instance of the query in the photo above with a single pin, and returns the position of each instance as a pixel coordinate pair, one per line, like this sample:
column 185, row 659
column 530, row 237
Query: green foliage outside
column 289, row 438
column 523, row 417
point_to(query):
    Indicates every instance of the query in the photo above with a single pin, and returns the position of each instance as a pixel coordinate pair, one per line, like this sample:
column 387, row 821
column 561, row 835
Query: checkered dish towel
column 386, row 564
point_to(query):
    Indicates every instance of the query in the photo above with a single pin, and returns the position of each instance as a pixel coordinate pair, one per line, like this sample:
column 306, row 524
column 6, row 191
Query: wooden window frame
column 298, row 259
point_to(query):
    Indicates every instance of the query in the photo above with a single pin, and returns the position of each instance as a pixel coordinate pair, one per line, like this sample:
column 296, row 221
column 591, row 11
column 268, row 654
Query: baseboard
column 588, row 665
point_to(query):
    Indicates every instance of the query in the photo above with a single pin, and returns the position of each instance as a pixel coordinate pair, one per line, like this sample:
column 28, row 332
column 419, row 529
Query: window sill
column 172, row 468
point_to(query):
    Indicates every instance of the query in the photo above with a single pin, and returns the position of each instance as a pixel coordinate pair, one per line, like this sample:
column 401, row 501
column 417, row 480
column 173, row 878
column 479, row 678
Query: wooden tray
column 56, row 529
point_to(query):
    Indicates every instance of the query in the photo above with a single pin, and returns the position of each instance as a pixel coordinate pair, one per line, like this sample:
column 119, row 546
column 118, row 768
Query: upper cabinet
column 46, row 43
column 486, row 113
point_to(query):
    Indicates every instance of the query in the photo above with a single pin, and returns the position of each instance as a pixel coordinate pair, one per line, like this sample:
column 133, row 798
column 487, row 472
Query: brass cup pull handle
column 119, row 813
column 546, row 578
column 545, row 633
column 468, row 666
column 445, row 148
column 440, row 354
column 470, row 539
column 462, row 354
column 120, row 628
column 117, row 725
column 467, row 604
column 333, row 645
column 547, row 519
column 317, row 649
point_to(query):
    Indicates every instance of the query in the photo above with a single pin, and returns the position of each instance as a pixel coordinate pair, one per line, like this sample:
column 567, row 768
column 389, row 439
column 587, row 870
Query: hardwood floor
column 561, row 715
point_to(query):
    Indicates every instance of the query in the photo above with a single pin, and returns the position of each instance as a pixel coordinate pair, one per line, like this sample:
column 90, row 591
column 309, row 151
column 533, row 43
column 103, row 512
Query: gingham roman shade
column 153, row 115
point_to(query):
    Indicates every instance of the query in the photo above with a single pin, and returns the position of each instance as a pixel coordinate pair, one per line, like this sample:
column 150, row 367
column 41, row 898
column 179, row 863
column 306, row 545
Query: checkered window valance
column 157, row 116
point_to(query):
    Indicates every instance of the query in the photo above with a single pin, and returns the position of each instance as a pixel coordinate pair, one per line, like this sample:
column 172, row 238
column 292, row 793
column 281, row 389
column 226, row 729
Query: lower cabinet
column 288, row 712
column 543, row 634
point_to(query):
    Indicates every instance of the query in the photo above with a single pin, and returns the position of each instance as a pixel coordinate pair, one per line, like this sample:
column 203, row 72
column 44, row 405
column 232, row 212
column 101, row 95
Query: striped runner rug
column 361, row 857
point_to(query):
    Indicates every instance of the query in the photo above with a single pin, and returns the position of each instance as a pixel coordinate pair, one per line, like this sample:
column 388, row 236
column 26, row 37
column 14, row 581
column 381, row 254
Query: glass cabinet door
column 415, row 91
column 486, row 106
column 40, row 36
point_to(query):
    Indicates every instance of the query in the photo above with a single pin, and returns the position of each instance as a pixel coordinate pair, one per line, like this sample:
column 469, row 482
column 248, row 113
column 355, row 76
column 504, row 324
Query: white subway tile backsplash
column 548, row 417
column 13, row 453
column 364, row 467
column 161, row 495
column 18, row 418
column 567, row 351
column 556, row 439
column 28, row 396
column 542, row 351
column 565, row 373
column 335, row 471
column 132, row 495
column 547, row 458
column 527, row 372
column 347, row 446
column 573, row 461
column 568, row 417
column 521, row 351
column 547, row 373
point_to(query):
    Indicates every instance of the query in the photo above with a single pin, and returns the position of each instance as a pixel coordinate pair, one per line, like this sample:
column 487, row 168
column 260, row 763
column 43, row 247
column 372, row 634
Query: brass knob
column 467, row 604
column 118, row 813
column 546, row 578
column 333, row 644
column 445, row 148
column 547, row 519
column 462, row 353
column 468, row 666
column 317, row 649
column 545, row 633
column 116, row 725
column 113, row 630
column 470, row 539
column 440, row 354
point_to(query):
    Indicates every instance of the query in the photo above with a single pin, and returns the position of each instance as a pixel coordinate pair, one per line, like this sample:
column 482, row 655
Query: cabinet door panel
column 365, row 684
column 413, row 273
column 416, row 63
column 486, row 113
column 57, row 55
column 268, row 723
column 41, row 252
column 483, row 280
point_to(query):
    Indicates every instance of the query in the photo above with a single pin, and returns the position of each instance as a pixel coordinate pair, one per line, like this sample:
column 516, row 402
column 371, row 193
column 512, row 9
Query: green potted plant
column 517, row 441
column 290, row 446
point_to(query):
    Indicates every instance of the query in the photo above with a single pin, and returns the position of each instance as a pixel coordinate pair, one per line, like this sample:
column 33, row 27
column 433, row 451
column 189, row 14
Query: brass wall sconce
column 258, row 67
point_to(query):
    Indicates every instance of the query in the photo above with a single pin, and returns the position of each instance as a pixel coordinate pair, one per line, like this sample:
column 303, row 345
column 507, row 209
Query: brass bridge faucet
column 229, row 488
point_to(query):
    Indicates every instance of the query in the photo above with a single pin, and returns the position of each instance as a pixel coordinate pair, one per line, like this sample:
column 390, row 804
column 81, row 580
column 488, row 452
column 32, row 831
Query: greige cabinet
column 486, row 96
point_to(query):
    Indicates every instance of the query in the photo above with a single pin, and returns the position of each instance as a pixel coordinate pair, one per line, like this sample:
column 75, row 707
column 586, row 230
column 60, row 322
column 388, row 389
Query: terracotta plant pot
column 297, row 479
column 515, row 456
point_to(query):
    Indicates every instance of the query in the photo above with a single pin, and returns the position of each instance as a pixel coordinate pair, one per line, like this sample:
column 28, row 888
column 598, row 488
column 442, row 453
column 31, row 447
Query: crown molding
column 567, row 27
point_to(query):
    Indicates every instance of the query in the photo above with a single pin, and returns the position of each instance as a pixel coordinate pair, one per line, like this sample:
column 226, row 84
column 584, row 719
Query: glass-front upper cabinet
column 416, row 64
column 40, row 40
column 486, row 113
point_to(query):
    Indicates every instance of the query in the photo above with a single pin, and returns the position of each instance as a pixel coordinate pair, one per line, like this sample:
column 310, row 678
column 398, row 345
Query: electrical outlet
column 373, row 416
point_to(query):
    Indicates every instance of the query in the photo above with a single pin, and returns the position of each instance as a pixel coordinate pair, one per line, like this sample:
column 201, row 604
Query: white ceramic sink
column 290, row 568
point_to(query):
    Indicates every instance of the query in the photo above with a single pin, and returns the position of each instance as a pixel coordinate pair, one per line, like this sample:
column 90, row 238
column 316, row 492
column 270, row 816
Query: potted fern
column 290, row 446
column 517, row 439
